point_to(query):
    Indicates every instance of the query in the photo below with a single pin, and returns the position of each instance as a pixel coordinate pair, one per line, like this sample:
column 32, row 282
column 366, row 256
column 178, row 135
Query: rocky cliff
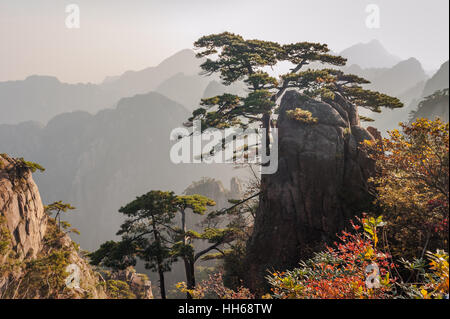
column 21, row 209
column 35, row 253
column 320, row 184
column 215, row 190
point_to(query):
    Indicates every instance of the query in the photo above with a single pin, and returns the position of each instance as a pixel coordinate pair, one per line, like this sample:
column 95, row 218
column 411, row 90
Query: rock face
column 34, row 253
column 22, row 209
column 139, row 283
column 321, row 183
column 215, row 190
column 236, row 188
column 24, row 230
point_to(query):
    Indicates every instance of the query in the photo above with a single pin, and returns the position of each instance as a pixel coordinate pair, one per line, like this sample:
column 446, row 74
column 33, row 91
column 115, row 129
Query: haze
column 116, row 36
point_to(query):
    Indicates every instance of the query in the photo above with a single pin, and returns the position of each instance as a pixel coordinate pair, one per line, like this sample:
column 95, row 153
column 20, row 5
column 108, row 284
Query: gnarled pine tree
column 238, row 59
column 313, row 214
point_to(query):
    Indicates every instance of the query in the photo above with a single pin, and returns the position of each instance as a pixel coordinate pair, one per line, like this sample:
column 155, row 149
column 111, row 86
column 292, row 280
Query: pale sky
column 119, row 35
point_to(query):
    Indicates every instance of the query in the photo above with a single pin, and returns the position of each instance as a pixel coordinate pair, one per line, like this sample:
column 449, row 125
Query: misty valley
column 241, row 167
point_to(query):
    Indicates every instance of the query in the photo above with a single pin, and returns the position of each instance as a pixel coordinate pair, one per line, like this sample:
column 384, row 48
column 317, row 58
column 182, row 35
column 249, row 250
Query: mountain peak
column 412, row 60
column 42, row 78
column 185, row 55
column 411, row 63
column 438, row 81
column 148, row 99
column 375, row 42
column 370, row 55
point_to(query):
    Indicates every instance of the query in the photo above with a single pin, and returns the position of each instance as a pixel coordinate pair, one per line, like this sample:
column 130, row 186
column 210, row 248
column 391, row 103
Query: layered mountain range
column 407, row 81
column 40, row 98
column 103, row 144
column 35, row 249
column 370, row 55
column 100, row 162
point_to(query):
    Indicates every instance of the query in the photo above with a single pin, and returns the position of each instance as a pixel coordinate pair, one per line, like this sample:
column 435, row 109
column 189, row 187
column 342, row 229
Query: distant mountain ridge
column 435, row 105
column 39, row 98
column 100, row 162
column 148, row 79
column 369, row 55
column 439, row 81
column 389, row 119
column 394, row 80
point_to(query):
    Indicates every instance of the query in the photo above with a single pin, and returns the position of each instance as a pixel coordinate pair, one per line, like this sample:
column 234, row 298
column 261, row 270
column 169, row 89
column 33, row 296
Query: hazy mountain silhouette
column 438, row 81
column 435, row 105
column 412, row 95
column 404, row 80
column 395, row 80
column 369, row 55
column 400, row 77
column 100, row 162
column 405, row 73
column 216, row 88
column 434, row 101
column 139, row 82
column 39, row 98
column 367, row 73
column 185, row 89
column 190, row 89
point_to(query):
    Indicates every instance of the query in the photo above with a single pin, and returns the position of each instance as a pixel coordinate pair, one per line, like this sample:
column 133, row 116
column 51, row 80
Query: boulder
column 320, row 184
column 139, row 284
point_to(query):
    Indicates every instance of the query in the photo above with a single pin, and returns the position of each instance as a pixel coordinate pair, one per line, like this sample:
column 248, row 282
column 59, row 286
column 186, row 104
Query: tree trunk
column 190, row 274
column 266, row 125
column 188, row 260
column 162, row 285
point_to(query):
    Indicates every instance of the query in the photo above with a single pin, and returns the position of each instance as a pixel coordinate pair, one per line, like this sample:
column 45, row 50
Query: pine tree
column 184, row 247
column 146, row 234
column 238, row 59
column 150, row 234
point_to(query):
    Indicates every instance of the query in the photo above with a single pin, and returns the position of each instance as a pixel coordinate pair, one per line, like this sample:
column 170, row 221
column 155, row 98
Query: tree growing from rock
column 287, row 194
column 238, row 59
column 57, row 208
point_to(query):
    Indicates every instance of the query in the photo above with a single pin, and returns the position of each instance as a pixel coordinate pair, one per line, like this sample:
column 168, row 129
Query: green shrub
column 301, row 116
column 117, row 289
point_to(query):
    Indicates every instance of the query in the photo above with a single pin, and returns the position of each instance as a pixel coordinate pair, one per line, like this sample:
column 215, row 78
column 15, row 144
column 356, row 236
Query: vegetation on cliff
column 239, row 59
column 151, row 234
column 37, row 257
column 279, row 241
column 399, row 254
